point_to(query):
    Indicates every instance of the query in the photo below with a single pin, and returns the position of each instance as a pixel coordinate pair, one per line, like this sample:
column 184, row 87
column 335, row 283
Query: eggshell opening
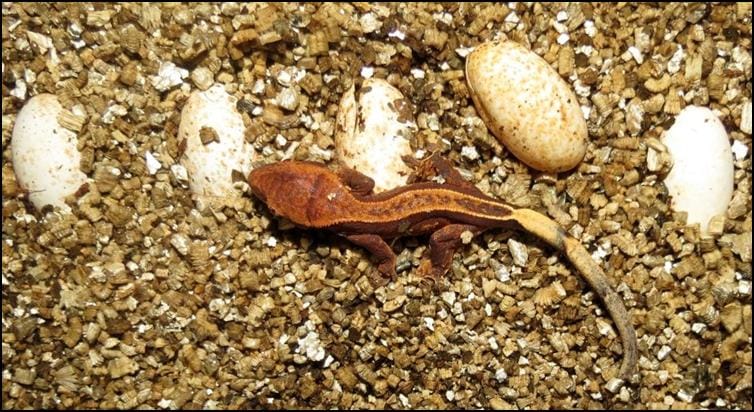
column 373, row 133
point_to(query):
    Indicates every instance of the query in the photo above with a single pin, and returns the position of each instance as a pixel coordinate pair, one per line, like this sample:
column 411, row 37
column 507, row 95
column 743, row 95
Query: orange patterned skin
column 311, row 195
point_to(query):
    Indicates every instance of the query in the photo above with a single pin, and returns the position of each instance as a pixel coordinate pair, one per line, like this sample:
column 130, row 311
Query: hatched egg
column 215, row 145
column 527, row 106
column 373, row 133
column 45, row 157
column 701, row 180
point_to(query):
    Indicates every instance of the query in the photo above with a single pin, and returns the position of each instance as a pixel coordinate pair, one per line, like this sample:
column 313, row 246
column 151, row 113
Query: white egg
column 527, row 106
column 45, row 157
column 701, row 180
column 373, row 133
column 210, row 165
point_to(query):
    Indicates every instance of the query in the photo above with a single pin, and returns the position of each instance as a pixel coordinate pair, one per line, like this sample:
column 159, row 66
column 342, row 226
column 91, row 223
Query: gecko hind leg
column 436, row 165
column 442, row 245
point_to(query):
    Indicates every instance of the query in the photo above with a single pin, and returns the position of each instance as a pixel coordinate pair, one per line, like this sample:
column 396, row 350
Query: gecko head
column 287, row 188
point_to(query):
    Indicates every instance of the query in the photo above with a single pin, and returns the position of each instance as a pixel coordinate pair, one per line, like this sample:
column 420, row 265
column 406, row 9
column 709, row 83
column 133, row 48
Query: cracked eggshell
column 373, row 133
column 45, row 158
column 701, row 180
column 527, row 106
column 210, row 164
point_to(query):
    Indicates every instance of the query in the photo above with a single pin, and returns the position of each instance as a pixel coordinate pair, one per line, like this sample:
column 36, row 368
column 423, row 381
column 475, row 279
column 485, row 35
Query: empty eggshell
column 373, row 133
column 527, row 106
column 45, row 157
column 215, row 144
column 701, row 180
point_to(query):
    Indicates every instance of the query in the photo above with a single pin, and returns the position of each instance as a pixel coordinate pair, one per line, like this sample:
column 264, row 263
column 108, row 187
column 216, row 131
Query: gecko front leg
column 379, row 249
column 359, row 183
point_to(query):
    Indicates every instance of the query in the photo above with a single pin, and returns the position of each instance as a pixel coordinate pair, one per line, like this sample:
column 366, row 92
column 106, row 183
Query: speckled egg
column 701, row 180
column 45, row 157
column 215, row 144
column 527, row 106
column 373, row 133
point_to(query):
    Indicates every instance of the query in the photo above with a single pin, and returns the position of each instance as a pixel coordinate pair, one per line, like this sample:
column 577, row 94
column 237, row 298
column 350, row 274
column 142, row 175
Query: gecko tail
column 552, row 233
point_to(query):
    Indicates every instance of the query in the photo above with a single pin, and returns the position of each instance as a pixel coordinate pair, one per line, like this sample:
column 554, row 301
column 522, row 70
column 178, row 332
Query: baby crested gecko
column 311, row 195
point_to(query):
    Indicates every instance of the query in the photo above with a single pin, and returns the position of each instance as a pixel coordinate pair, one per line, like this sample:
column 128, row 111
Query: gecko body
column 311, row 195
